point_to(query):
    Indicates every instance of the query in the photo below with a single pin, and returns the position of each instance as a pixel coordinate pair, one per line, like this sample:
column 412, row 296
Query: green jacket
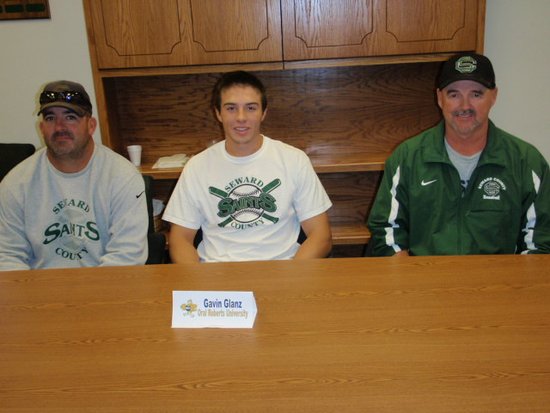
column 422, row 207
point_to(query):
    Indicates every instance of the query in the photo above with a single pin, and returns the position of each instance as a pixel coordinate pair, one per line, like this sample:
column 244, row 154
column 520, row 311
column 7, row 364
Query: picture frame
column 24, row 9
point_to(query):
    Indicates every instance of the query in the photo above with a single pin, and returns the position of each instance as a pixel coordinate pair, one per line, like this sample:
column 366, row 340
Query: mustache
column 467, row 112
column 62, row 134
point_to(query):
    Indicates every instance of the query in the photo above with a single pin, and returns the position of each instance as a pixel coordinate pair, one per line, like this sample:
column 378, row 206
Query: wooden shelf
column 160, row 174
column 367, row 61
column 342, row 234
column 271, row 66
column 326, row 163
column 350, row 234
column 351, row 162
column 188, row 70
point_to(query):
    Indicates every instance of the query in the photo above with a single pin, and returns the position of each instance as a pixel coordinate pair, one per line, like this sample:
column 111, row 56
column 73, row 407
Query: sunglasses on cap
column 75, row 98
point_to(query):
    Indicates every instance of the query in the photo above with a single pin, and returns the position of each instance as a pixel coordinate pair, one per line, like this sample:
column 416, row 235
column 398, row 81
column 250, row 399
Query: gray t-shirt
column 465, row 165
column 50, row 219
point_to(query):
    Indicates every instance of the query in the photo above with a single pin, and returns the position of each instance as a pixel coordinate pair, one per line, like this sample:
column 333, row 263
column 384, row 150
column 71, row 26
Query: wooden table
column 445, row 334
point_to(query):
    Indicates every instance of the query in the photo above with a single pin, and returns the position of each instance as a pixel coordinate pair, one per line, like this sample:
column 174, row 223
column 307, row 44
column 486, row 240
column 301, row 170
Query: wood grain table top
column 433, row 334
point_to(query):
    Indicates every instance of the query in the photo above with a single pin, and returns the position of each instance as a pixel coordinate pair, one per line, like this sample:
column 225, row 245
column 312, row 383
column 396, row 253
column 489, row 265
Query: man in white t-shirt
column 249, row 194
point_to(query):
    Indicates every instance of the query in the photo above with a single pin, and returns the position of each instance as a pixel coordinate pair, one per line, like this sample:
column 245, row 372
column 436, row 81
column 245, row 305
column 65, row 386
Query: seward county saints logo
column 247, row 204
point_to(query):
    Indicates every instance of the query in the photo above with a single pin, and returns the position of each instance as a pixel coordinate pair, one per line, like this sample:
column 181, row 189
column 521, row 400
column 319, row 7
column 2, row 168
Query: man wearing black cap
column 464, row 186
column 74, row 203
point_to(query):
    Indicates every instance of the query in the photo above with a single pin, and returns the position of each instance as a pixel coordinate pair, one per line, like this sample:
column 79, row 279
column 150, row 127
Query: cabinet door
column 154, row 33
column 133, row 33
column 317, row 29
column 428, row 26
column 233, row 31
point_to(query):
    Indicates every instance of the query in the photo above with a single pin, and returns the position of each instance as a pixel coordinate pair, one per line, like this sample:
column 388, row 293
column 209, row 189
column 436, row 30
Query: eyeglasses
column 75, row 98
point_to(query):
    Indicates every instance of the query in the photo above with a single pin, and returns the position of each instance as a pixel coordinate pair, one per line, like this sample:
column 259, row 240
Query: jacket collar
column 434, row 146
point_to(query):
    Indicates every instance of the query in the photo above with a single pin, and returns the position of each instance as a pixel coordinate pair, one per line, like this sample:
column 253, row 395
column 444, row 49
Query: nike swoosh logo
column 137, row 196
column 424, row 183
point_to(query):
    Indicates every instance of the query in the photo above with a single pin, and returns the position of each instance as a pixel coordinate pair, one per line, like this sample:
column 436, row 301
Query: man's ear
column 92, row 125
column 495, row 94
column 41, row 126
column 438, row 93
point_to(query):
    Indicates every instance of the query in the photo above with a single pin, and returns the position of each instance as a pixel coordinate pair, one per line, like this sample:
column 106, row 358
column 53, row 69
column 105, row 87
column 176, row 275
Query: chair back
column 148, row 180
column 156, row 240
column 13, row 153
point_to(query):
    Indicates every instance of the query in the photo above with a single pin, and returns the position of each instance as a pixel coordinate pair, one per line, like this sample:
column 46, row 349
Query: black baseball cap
column 467, row 66
column 67, row 94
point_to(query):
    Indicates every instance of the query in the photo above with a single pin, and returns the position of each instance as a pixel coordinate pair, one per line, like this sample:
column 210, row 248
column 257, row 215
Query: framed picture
column 24, row 9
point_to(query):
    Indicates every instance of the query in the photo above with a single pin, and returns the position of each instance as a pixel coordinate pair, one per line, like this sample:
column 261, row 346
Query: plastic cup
column 134, row 152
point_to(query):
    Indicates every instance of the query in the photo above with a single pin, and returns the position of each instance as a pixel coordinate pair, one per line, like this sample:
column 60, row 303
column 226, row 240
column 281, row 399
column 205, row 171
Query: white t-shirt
column 249, row 208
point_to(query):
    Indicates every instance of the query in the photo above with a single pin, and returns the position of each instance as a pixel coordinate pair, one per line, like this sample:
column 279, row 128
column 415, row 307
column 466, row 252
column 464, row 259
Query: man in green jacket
column 464, row 186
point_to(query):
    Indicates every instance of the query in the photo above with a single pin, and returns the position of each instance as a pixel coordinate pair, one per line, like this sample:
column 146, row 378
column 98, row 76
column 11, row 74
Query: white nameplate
column 222, row 309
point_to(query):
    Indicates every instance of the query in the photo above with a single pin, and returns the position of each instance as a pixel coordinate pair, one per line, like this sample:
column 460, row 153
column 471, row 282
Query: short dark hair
column 239, row 77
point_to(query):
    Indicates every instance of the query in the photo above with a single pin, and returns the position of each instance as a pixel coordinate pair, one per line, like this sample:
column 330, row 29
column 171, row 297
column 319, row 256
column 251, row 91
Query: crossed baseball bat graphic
column 266, row 189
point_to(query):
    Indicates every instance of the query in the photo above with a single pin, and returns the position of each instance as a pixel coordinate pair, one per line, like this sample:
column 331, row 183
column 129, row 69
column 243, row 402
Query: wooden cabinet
column 160, row 33
column 323, row 29
column 370, row 84
column 152, row 33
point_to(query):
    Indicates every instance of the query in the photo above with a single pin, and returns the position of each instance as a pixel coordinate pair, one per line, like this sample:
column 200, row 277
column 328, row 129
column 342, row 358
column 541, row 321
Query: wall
column 516, row 41
column 34, row 52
